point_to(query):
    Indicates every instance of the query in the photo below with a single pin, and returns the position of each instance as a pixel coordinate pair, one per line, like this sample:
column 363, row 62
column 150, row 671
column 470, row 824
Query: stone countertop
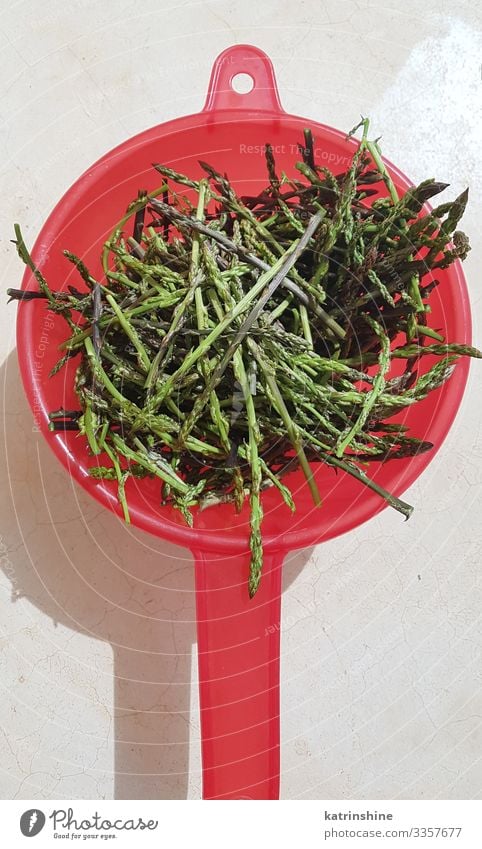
column 381, row 629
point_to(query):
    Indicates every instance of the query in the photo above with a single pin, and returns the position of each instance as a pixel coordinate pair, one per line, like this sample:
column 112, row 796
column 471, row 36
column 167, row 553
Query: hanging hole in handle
column 242, row 78
column 242, row 83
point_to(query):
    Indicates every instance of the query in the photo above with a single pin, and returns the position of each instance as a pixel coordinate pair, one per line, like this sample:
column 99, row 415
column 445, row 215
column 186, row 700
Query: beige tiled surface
column 381, row 688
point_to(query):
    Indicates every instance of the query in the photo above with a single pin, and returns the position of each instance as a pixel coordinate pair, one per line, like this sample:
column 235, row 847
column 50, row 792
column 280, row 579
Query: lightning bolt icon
column 33, row 820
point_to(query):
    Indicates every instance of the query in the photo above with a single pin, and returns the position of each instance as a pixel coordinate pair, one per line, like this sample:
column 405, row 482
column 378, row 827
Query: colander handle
column 243, row 59
column 238, row 657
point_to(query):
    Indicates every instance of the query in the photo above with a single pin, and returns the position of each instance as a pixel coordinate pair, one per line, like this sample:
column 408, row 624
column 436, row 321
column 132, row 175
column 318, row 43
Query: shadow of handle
column 238, row 656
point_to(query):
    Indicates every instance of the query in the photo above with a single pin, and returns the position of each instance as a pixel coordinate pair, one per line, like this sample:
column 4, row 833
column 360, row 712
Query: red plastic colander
column 238, row 639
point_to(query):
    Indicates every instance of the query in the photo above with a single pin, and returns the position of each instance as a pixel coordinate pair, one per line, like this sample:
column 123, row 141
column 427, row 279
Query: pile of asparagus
column 233, row 339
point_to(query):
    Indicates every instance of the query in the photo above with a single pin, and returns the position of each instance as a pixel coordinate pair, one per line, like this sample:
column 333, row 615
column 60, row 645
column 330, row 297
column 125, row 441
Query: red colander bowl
column 238, row 639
